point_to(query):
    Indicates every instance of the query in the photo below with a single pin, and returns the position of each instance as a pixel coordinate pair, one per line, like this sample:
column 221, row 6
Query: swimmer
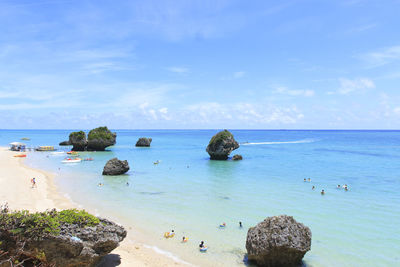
column 305, row 180
column 201, row 244
column 345, row 188
column 222, row 225
column 127, row 184
column 322, row 192
column 309, row 179
column 184, row 239
column 338, row 186
column 313, row 187
column 240, row 224
column 100, row 184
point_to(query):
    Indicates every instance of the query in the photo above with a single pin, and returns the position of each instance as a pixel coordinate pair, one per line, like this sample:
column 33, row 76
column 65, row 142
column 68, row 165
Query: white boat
column 69, row 160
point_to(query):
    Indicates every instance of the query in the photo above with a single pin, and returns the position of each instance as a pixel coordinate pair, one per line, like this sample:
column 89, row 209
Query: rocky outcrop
column 64, row 143
column 116, row 167
column 78, row 141
column 221, row 145
column 100, row 138
column 278, row 241
column 68, row 238
column 144, row 142
column 237, row 157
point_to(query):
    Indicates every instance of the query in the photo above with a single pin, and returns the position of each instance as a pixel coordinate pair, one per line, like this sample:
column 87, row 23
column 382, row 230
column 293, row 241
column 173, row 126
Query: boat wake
column 303, row 141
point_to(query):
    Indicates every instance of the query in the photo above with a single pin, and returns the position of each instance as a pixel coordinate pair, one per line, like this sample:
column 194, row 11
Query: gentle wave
column 168, row 254
column 303, row 141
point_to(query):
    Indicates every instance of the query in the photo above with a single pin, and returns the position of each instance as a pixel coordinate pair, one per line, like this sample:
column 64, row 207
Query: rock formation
column 67, row 238
column 64, row 143
column 278, row 241
column 100, row 138
column 116, row 167
column 221, row 145
column 144, row 141
column 78, row 140
column 237, row 157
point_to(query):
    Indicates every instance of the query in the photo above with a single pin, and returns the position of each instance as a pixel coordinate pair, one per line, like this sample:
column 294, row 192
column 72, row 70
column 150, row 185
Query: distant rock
column 237, row 157
column 57, row 238
column 116, row 167
column 100, row 138
column 64, row 143
column 221, row 145
column 144, row 141
column 78, row 141
column 278, row 241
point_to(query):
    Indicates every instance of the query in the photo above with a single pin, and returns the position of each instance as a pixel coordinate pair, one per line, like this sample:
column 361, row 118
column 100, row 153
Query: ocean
column 193, row 195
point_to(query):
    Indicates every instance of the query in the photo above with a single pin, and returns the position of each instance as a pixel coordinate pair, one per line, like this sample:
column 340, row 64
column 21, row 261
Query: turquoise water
column 192, row 195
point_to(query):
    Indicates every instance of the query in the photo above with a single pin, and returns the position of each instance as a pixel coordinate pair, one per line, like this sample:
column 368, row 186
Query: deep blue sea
column 192, row 195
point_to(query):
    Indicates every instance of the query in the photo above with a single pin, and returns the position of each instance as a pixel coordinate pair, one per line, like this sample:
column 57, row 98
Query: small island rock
column 221, row 145
column 64, row 143
column 116, row 167
column 100, row 138
column 237, row 157
column 278, row 241
column 78, row 141
column 144, row 141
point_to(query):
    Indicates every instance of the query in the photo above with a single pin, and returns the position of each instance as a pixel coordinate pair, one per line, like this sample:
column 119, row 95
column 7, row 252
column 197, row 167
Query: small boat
column 45, row 148
column 156, row 162
column 72, row 153
column 20, row 156
column 70, row 160
column 25, row 138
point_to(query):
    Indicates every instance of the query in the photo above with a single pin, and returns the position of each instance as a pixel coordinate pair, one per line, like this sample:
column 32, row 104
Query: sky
column 185, row 64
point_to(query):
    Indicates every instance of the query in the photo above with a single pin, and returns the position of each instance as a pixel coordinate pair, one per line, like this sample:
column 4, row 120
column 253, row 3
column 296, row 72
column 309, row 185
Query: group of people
column 202, row 246
column 346, row 188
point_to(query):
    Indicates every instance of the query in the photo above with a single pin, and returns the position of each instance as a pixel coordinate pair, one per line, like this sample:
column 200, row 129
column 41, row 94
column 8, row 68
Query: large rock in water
column 237, row 157
column 78, row 141
column 278, row 241
column 64, row 143
column 100, row 138
column 116, row 167
column 221, row 145
column 67, row 238
column 144, row 141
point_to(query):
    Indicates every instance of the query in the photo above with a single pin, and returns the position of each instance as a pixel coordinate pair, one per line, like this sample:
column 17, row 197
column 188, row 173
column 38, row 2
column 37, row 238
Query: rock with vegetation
column 144, row 142
column 56, row 238
column 64, row 143
column 278, row 241
column 116, row 167
column 78, row 141
column 237, row 157
column 100, row 138
column 221, row 145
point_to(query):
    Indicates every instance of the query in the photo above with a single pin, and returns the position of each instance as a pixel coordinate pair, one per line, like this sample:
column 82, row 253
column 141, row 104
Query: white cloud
column 285, row 91
column 348, row 86
column 238, row 74
column 382, row 57
column 179, row 70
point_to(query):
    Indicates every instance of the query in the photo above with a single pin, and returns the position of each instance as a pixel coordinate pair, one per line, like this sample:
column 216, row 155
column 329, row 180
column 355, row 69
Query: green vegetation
column 216, row 139
column 78, row 135
column 48, row 222
column 100, row 133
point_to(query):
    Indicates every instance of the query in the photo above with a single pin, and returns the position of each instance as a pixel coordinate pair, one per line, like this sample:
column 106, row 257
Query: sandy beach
column 16, row 190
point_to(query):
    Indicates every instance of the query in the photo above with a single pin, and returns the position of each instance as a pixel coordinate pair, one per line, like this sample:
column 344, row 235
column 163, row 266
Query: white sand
column 17, row 191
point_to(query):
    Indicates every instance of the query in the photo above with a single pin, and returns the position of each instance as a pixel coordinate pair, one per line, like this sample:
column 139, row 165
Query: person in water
column 338, row 186
column 127, row 184
column 305, row 180
column 201, row 244
column 309, row 179
column 313, row 187
column 322, row 192
column 240, row 224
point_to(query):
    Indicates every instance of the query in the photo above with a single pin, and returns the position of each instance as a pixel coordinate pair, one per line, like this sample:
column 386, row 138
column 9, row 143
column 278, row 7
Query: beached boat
column 45, row 148
column 70, row 160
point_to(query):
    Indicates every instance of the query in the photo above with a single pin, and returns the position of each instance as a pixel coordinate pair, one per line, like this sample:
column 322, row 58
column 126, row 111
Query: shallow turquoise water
column 192, row 195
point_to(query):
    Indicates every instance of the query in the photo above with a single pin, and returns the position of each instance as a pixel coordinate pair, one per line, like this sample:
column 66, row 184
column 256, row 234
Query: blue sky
column 200, row 64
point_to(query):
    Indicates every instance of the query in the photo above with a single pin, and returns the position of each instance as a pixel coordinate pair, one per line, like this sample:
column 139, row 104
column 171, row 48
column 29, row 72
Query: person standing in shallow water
column 322, row 192
column 240, row 224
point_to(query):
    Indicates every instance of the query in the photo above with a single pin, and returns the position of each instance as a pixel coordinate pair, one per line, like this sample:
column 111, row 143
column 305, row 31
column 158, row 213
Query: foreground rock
column 98, row 140
column 116, row 167
column 237, row 157
column 66, row 238
column 221, row 145
column 278, row 241
column 144, row 142
column 64, row 143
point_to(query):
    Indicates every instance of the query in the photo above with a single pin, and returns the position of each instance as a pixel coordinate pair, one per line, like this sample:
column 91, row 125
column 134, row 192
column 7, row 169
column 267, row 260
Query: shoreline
column 16, row 190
